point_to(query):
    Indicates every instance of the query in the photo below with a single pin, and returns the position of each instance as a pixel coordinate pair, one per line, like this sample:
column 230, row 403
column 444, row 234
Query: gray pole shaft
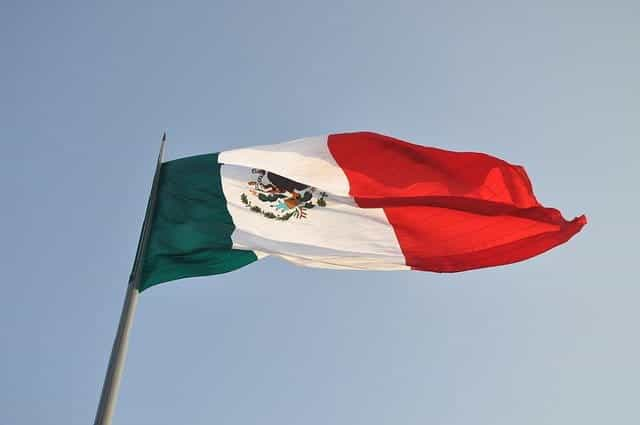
column 111, row 384
column 116, row 361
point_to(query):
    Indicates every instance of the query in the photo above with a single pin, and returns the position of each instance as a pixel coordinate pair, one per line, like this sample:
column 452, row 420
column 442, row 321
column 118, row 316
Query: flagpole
column 111, row 384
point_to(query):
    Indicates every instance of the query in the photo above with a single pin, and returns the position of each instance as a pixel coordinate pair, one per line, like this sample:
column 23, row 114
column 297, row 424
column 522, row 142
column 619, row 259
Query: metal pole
column 111, row 384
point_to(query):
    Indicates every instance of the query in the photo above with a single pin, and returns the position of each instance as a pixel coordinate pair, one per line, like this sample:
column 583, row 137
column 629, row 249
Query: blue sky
column 87, row 89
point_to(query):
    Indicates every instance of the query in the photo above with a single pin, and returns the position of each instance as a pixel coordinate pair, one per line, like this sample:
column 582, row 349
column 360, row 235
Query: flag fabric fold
column 359, row 201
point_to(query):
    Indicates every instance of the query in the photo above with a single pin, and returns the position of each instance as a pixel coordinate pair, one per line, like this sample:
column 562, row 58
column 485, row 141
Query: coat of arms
column 278, row 198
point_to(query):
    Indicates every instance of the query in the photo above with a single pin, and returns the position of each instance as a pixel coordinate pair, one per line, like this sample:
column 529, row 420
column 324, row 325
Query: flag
column 360, row 201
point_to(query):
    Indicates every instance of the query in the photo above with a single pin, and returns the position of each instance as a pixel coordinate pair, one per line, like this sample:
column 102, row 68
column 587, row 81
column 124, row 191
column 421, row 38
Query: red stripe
column 451, row 211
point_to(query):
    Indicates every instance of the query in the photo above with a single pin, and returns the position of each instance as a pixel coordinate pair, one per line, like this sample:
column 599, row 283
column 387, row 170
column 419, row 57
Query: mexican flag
column 359, row 201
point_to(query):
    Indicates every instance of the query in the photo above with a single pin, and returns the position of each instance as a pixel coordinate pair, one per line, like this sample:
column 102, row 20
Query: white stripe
column 339, row 235
column 305, row 160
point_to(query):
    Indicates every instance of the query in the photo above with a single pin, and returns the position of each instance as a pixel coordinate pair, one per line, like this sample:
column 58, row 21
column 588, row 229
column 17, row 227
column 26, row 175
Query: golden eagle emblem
column 279, row 198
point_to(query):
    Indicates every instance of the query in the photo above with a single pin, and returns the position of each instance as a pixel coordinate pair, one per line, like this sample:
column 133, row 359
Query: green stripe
column 191, row 226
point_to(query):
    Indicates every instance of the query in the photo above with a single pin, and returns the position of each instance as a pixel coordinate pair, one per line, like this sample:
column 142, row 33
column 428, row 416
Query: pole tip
column 164, row 136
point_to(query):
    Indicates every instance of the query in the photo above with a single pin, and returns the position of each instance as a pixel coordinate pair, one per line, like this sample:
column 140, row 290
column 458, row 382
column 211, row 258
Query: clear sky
column 86, row 90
